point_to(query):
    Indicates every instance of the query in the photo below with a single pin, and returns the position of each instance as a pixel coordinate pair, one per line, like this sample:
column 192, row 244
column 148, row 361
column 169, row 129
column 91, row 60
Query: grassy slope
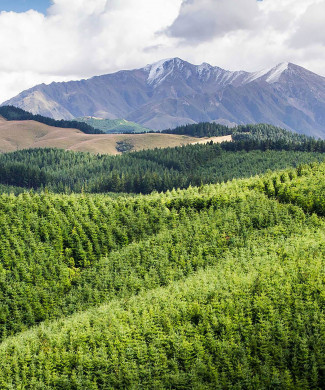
column 113, row 125
column 253, row 319
column 16, row 135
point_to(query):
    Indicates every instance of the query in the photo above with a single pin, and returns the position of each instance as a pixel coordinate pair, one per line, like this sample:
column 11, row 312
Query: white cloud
column 310, row 30
column 203, row 20
column 82, row 38
column 79, row 38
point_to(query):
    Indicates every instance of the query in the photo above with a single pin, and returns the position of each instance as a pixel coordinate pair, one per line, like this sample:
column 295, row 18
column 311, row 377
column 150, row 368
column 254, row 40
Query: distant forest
column 254, row 151
column 259, row 131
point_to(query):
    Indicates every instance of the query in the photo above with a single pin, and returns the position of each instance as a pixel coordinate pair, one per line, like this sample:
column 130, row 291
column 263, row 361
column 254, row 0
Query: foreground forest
column 213, row 287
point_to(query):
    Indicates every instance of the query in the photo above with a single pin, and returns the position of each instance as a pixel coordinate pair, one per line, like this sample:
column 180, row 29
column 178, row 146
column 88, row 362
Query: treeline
column 215, row 287
column 251, row 132
column 12, row 113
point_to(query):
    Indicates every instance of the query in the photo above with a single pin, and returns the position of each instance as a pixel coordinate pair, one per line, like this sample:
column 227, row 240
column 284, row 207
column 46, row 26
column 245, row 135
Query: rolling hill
column 253, row 150
column 17, row 135
column 212, row 287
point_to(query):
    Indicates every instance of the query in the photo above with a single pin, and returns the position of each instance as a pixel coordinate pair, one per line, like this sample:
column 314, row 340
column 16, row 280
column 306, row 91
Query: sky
column 24, row 5
column 44, row 41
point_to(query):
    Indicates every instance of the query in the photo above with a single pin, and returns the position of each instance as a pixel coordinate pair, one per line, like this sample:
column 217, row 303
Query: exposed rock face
column 174, row 92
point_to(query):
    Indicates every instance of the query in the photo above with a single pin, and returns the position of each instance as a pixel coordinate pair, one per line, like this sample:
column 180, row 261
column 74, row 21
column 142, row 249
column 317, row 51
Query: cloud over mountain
column 81, row 38
column 204, row 20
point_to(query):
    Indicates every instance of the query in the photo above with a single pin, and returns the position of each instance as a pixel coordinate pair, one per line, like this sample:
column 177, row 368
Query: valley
column 113, row 125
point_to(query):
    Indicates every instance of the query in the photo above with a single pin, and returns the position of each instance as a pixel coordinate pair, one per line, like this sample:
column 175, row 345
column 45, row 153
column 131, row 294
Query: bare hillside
column 16, row 135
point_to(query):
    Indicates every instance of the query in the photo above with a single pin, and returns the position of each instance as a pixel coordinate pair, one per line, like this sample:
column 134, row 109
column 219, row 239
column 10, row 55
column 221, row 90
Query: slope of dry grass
column 16, row 135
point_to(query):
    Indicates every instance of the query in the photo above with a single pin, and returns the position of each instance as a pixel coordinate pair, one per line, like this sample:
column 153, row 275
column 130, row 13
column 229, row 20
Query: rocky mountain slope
column 174, row 92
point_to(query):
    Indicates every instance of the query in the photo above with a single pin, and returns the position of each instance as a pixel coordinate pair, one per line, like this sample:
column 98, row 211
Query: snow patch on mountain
column 276, row 72
column 273, row 74
column 204, row 70
column 161, row 69
column 257, row 75
column 156, row 71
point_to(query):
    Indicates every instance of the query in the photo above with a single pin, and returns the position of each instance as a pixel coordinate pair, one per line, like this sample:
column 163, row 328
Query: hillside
column 174, row 92
column 155, row 170
column 113, row 125
column 17, row 135
column 214, row 287
column 12, row 113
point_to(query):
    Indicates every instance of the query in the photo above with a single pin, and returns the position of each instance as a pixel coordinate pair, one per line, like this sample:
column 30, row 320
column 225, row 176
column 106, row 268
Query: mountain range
column 174, row 92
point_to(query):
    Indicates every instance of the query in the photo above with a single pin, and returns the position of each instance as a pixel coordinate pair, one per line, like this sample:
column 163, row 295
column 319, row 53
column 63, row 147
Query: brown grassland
column 17, row 135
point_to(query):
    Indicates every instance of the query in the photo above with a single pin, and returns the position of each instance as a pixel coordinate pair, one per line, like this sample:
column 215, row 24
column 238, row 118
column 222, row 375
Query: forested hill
column 212, row 287
column 258, row 132
column 253, row 150
column 12, row 113
column 152, row 170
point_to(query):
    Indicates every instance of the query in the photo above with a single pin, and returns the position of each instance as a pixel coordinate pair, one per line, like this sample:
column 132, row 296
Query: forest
column 260, row 132
column 197, row 267
column 216, row 287
column 253, row 151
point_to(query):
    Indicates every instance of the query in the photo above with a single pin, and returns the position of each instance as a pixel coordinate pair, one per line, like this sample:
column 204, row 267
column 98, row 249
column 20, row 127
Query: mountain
column 110, row 126
column 174, row 92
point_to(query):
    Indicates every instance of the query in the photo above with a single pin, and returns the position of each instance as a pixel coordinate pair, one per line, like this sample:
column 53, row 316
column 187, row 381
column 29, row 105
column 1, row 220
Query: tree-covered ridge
column 12, row 113
column 255, row 132
column 203, row 129
column 214, row 287
column 146, row 171
column 47, row 242
column 265, row 132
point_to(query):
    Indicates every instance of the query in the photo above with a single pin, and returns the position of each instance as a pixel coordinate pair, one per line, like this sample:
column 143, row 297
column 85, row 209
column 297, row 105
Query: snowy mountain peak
column 204, row 70
column 156, row 70
column 159, row 70
column 204, row 66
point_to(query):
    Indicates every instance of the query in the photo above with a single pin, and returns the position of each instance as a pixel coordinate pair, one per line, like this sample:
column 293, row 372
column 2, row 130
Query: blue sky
column 24, row 5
